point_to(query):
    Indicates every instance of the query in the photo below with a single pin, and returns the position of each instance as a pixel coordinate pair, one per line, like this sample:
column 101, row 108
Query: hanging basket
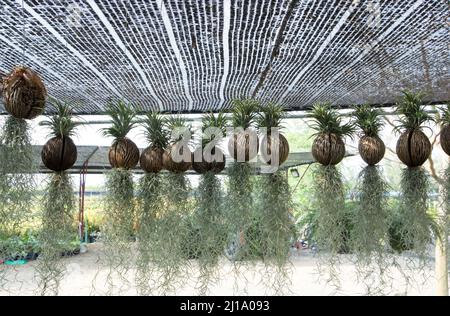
column 173, row 165
column 244, row 145
column 445, row 139
column 371, row 149
column 59, row 154
column 152, row 160
column 24, row 93
column 280, row 145
column 123, row 154
column 203, row 166
column 413, row 148
column 328, row 149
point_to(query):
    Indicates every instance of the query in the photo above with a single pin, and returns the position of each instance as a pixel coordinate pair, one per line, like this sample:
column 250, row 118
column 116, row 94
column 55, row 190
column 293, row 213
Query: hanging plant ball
column 59, row 154
column 24, row 93
column 152, row 160
column 413, row 148
column 123, row 154
column 328, row 149
column 445, row 139
column 173, row 165
column 215, row 166
column 371, row 149
column 280, row 145
column 244, row 146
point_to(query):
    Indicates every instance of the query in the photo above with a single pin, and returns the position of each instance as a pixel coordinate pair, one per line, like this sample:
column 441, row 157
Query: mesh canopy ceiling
column 196, row 55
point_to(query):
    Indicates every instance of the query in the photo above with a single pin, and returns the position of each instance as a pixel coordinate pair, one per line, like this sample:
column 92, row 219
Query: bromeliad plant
column 118, row 232
column 445, row 128
column 58, row 218
column 244, row 144
column 177, row 157
column 60, row 152
column 156, row 134
column 413, row 147
column 150, row 201
column 123, row 153
column 328, row 148
column 208, row 156
column 273, row 145
column 369, row 122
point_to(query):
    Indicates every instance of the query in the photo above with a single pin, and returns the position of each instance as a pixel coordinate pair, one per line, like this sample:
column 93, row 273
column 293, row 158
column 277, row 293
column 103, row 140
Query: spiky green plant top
column 368, row 120
column 210, row 120
column 180, row 124
column 271, row 116
column 61, row 123
column 412, row 112
column 244, row 113
column 327, row 120
column 444, row 118
column 122, row 116
column 155, row 130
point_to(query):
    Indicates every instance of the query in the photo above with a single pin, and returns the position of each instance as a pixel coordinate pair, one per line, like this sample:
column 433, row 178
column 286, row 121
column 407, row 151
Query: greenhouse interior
column 136, row 154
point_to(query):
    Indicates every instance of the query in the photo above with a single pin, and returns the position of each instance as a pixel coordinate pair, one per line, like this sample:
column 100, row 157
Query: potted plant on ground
column 328, row 148
column 413, row 146
column 369, row 122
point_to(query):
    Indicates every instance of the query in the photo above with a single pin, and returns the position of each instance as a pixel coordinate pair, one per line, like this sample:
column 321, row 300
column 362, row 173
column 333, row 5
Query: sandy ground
column 85, row 276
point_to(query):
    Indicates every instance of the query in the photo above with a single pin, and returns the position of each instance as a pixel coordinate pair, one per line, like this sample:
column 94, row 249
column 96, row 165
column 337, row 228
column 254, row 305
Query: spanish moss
column 118, row 233
column 58, row 232
column 277, row 230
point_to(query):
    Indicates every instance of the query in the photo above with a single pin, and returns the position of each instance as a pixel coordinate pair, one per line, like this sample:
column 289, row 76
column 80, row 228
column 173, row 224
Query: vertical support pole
column 441, row 267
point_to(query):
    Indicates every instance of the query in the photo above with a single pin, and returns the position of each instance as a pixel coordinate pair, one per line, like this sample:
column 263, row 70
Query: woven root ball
column 59, row 154
column 123, row 154
column 24, row 93
column 244, row 146
column 371, row 149
column 328, row 149
column 280, row 145
column 152, row 160
column 445, row 139
column 174, row 166
column 203, row 166
column 413, row 148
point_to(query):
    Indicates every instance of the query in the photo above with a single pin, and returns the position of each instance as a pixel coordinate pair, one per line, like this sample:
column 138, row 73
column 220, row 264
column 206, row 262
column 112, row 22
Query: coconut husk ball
column 124, row 154
column 277, row 147
column 205, row 164
column 151, row 160
column 328, row 149
column 244, row 146
column 59, row 154
column 371, row 149
column 413, row 148
column 445, row 139
column 24, row 93
column 173, row 165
